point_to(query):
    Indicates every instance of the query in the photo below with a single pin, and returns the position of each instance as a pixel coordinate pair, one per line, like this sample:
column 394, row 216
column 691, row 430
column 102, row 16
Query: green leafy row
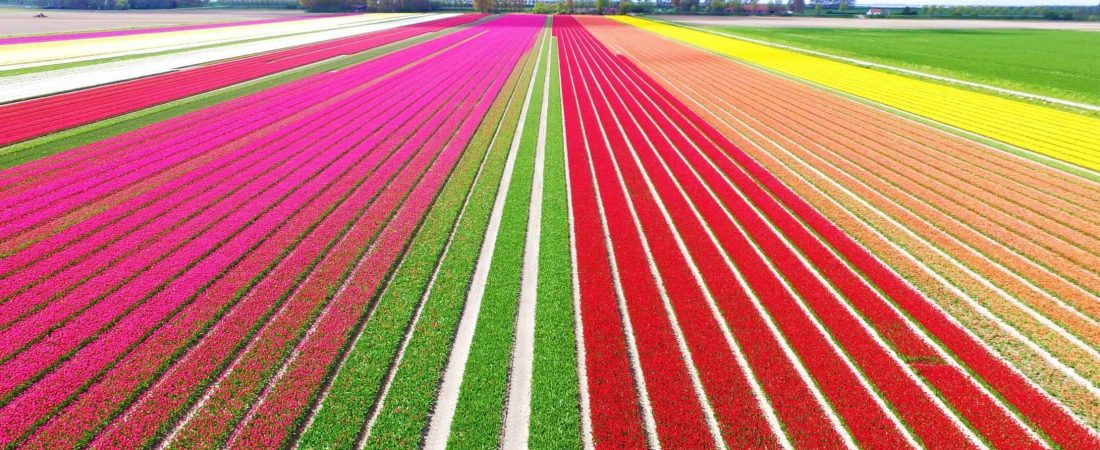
column 355, row 389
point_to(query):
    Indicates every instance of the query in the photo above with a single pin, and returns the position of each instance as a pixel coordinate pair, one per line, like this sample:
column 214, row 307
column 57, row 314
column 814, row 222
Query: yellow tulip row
column 1056, row 133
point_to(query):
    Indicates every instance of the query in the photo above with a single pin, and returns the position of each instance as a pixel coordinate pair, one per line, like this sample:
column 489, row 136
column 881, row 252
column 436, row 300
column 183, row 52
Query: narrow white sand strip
column 439, row 429
column 517, row 410
column 407, row 338
column 39, row 84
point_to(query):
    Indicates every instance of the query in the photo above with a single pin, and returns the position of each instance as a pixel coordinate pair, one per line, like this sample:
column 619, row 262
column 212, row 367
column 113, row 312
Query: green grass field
column 1061, row 64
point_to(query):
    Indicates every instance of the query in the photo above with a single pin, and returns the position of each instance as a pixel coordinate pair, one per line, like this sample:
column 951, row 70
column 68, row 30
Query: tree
column 735, row 6
column 843, row 5
column 624, row 7
column 798, row 6
column 323, row 5
column 600, row 5
column 753, row 4
column 817, row 9
column 716, row 7
column 483, row 5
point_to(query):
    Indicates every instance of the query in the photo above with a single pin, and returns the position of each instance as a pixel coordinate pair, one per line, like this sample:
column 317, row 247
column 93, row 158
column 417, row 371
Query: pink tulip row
column 58, row 112
column 35, row 358
column 284, row 405
column 76, row 177
column 161, row 326
column 228, row 110
column 150, row 236
column 59, row 246
column 257, row 365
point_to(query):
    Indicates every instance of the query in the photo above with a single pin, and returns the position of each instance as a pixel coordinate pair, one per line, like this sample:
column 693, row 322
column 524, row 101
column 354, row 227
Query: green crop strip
column 477, row 423
column 406, row 409
column 555, row 415
column 44, row 146
column 355, row 388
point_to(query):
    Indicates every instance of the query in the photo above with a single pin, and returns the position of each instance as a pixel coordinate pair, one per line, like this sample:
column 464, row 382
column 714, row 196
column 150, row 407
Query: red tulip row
column 807, row 308
column 229, row 280
column 37, row 117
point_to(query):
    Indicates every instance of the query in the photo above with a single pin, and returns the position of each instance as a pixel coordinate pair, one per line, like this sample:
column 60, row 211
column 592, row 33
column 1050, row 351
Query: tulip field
column 508, row 231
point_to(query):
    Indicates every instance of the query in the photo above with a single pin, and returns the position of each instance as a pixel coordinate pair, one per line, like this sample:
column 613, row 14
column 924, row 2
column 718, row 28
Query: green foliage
column 325, row 5
column 480, row 407
column 1057, row 63
column 404, row 415
column 555, row 415
column 355, row 385
column 642, row 8
column 544, row 8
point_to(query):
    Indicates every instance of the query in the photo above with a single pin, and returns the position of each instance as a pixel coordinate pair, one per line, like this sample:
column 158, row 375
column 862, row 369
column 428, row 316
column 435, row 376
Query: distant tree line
column 1013, row 12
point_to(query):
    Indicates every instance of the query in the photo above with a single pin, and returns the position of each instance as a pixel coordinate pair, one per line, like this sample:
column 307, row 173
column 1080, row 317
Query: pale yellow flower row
column 1063, row 135
column 81, row 49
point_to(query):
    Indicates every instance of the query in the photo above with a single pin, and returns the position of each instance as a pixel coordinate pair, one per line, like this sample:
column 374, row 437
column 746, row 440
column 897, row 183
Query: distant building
column 877, row 12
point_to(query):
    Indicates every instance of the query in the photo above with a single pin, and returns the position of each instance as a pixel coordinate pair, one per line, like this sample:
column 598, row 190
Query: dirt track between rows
column 1016, row 238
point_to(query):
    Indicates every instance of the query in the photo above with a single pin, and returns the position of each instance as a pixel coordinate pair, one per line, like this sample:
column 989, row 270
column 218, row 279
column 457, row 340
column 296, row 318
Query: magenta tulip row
column 159, row 292
column 45, row 115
